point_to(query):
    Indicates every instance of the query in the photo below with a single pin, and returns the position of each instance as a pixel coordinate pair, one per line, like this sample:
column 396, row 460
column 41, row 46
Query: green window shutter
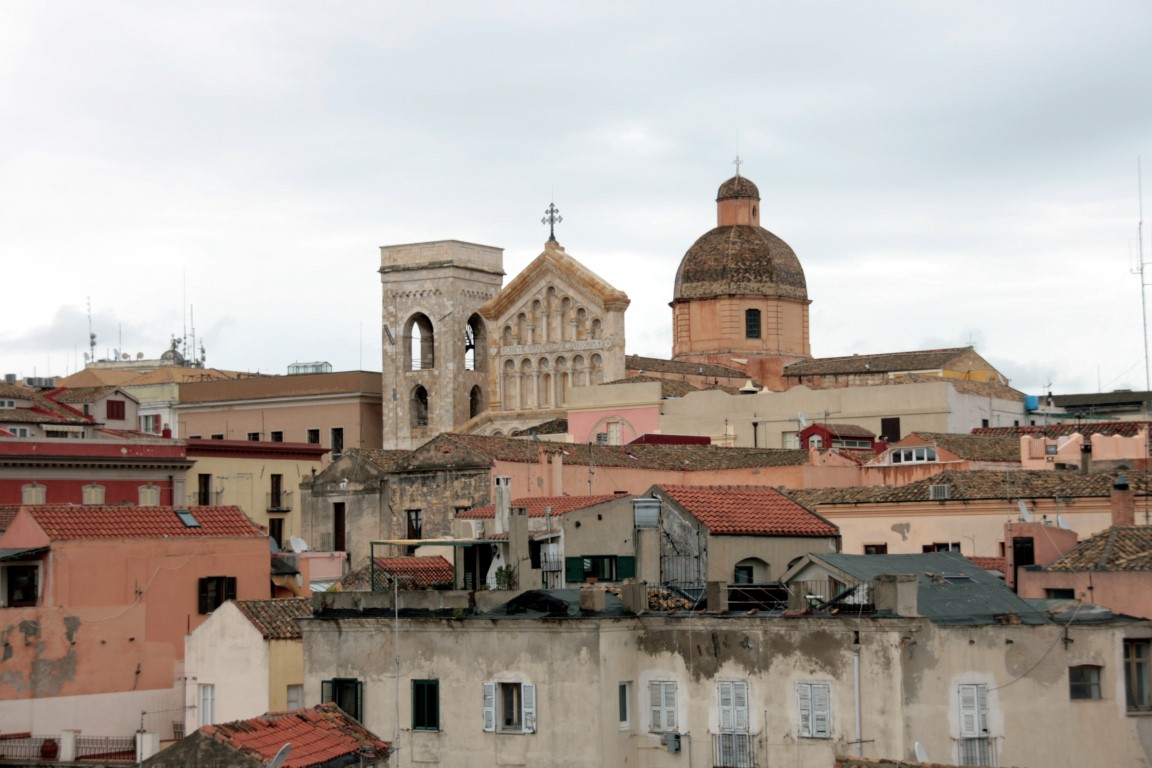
column 574, row 570
column 625, row 567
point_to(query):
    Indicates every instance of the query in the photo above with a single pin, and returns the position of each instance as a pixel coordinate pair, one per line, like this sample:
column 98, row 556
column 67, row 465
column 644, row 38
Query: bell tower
column 435, row 344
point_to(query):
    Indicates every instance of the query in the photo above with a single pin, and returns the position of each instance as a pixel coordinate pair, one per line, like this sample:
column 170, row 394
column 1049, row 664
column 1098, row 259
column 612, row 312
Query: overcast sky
column 948, row 173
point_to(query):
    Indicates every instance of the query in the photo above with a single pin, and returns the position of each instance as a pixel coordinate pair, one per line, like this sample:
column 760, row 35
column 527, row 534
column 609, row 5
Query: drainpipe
column 856, row 677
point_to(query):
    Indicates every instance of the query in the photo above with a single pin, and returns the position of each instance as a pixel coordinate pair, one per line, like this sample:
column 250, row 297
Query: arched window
column 419, row 406
column 597, row 374
column 752, row 323
column 544, row 384
column 33, row 493
column 421, row 342
column 815, row 442
column 750, row 570
column 475, row 345
column 596, row 328
column 475, row 402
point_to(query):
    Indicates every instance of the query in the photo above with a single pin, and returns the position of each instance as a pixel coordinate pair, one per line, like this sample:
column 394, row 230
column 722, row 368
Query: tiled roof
column 30, row 416
column 887, row 362
column 420, row 571
column 999, row 564
column 848, row 430
column 1121, row 428
column 65, row 521
column 385, row 459
column 975, row 484
column 7, row 515
column 746, row 511
column 276, row 618
column 673, row 387
column 661, row 456
column 81, row 394
column 318, row 735
column 552, row 427
column 684, row 368
column 17, row 391
column 739, row 260
column 1118, row 548
column 537, row 505
column 1005, row 448
column 737, row 186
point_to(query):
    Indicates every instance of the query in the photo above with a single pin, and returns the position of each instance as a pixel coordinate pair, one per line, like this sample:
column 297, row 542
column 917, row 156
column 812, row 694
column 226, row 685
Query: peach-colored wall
column 1049, row 542
column 1123, row 592
column 1034, row 450
column 114, row 613
column 361, row 422
column 634, row 422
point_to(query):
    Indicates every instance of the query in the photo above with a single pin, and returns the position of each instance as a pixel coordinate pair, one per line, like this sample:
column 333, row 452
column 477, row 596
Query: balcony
column 977, row 750
column 279, row 502
column 733, row 750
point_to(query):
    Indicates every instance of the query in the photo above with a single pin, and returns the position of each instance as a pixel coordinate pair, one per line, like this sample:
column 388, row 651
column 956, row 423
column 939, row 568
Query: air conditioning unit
column 670, row 742
column 939, row 492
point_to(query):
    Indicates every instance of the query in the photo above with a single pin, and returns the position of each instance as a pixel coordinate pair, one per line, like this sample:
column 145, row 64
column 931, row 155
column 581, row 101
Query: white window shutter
column 656, row 705
column 821, row 711
column 670, row 706
column 740, row 706
column 726, row 713
column 490, row 706
column 970, row 696
column 982, row 709
column 528, row 707
column 804, row 704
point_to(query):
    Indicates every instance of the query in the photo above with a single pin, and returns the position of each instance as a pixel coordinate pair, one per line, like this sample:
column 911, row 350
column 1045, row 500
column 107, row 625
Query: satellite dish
column 921, row 753
column 1060, row 521
column 281, row 756
column 298, row 544
column 1025, row 515
column 801, row 420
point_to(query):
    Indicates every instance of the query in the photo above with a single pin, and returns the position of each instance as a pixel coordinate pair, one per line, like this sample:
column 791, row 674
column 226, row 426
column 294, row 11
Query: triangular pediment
column 442, row 452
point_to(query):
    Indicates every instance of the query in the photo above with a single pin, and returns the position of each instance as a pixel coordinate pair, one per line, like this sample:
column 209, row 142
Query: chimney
column 1085, row 454
column 503, row 503
column 896, row 593
column 1123, row 502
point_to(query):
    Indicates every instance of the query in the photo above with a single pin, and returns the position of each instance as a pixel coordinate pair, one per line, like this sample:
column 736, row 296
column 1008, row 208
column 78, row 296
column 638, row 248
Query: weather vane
column 552, row 217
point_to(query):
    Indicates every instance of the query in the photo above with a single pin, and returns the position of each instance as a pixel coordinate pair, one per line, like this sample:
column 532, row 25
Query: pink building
column 95, row 602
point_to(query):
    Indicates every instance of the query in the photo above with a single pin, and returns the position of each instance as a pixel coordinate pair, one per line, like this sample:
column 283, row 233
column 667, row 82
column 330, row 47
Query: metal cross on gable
column 552, row 217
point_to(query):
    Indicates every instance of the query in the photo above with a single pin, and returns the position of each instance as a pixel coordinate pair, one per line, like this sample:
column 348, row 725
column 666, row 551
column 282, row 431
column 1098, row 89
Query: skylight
column 187, row 518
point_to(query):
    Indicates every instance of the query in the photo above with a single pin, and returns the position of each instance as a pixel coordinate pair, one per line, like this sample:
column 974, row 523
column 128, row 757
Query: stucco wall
column 228, row 652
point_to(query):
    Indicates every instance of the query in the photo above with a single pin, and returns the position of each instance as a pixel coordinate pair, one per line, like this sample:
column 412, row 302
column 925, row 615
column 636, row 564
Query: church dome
column 737, row 259
column 737, row 186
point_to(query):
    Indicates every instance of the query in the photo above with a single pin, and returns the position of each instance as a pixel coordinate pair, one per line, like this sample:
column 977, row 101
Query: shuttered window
column 733, row 706
column 214, row 591
column 346, row 693
column 662, row 706
column 814, row 701
column 509, row 707
column 973, row 711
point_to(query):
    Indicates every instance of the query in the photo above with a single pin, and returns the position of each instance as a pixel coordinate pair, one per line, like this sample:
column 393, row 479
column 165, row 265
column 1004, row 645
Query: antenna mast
column 91, row 335
column 1140, row 270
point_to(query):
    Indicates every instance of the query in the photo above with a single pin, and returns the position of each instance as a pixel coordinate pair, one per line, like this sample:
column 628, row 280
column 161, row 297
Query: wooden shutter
column 740, row 706
column 804, row 705
column 490, row 706
column 821, row 711
column 205, row 601
column 625, row 567
column 971, row 714
column 528, row 707
column 655, row 708
column 670, row 706
column 359, row 716
column 574, row 570
column 326, row 692
column 229, row 588
column 726, row 714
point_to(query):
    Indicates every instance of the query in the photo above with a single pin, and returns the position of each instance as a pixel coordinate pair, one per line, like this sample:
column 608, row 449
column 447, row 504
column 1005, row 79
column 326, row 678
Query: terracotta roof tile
column 1118, row 548
column 1004, row 448
column 999, row 564
column 385, row 459
column 748, row 511
column 276, row 618
column 739, row 260
column 885, row 362
column 66, row 521
column 7, row 515
column 848, row 430
column 1121, row 428
column 657, row 365
column 674, row 387
column 537, row 505
column 419, row 571
column 317, row 735
column 551, row 427
column 80, row 394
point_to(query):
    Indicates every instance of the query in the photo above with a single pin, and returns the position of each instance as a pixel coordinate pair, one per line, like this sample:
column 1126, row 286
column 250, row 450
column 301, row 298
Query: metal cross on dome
column 552, row 217
column 737, row 162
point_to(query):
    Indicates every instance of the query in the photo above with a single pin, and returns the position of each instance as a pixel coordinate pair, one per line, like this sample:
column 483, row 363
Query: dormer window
column 918, row 455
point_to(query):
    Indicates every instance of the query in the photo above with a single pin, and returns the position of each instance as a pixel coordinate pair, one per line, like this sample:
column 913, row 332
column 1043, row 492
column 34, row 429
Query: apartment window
column 975, row 747
column 276, row 492
column 115, row 410
column 733, row 744
column 148, row 495
column 204, row 489
column 984, row 423
column 1084, row 682
column 890, row 429
column 1138, row 692
column 150, row 423
column 941, row 546
column 314, row 436
column 752, row 323
column 215, row 591
column 217, row 437
column 600, row 567
column 814, row 703
column 23, row 432
column 662, row 706
column 1051, row 593
column 415, row 524
column 510, row 707
column 93, row 494
column 253, row 437
column 337, row 442
column 207, row 704
column 276, row 531
column 912, row 455
column 743, row 574
column 624, row 699
column 21, row 585
column 33, row 493
column 276, row 437
column 425, row 705
column 875, row 549
column 339, row 530
column 346, row 693
column 295, row 696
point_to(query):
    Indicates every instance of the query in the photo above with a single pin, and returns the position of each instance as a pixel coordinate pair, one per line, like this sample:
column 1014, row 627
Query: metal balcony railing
column 978, row 750
column 279, row 502
column 733, row 750
column 551, row 563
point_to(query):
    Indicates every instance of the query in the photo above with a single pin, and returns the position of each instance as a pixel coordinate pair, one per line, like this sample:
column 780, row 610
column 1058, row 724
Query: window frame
column 6, row 580
column 148, row 495
column 213, row 591
column 33, row 493
column 809, row 696
column 752, row 323
column 334, row 690
column 426, row 704
column 1137, row 682
column 1088, row 688
column 662, row 710
column 336, row 442
column 93, row 495
column 312, row 436
column 624, row 705
column 500, row 698
column 206, row 694
column 115, row 410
